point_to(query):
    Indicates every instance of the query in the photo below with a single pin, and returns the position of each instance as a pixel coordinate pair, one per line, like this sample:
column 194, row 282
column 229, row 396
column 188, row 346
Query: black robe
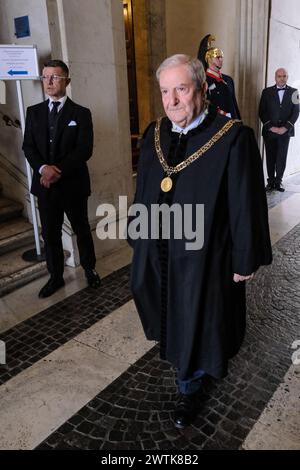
column 187, row 299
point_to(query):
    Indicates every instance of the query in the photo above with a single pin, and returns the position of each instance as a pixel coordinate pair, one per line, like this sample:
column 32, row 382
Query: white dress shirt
column 195, row 123
column 280, row 93
column 62, row 102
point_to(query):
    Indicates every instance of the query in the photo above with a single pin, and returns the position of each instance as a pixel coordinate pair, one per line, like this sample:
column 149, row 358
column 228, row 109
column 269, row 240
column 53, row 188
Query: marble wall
column 143, row 61
column 166, row 27
column 188, row 21
column 251, row 58
column 12, row 163
column 90, row 37
column 149, row 20
column 240, row 28
column 284, row 51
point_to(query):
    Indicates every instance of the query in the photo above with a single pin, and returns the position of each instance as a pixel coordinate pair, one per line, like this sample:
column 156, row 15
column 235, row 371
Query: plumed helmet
column 206, row 50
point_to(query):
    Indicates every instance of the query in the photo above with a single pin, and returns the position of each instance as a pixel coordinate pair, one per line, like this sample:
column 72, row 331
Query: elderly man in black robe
column 189, row 297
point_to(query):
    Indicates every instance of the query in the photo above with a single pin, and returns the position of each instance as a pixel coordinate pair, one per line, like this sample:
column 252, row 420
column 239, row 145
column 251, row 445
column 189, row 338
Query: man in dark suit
column 221, row 92
column 278, row 111
column 58, row 141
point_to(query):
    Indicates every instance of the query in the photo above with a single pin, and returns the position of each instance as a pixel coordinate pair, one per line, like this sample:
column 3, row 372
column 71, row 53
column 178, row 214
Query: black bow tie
column 279, row 89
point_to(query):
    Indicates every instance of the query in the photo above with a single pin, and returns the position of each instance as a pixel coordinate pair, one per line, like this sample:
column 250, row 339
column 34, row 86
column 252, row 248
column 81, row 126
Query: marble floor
column 80, row 374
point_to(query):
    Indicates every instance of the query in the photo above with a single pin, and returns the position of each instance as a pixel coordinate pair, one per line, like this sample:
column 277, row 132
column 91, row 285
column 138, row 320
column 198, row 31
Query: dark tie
column 52, row 125
column 53, row 112
column 279, row 89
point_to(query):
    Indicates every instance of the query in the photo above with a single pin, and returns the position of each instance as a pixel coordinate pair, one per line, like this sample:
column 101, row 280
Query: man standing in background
column 58, row 141
column 278, row 111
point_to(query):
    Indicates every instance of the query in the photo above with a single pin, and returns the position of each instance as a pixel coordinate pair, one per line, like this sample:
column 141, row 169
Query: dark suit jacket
column 273, row 113
column 73, row 146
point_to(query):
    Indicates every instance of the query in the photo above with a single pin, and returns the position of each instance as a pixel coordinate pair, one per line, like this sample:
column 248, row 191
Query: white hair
column 194, row 66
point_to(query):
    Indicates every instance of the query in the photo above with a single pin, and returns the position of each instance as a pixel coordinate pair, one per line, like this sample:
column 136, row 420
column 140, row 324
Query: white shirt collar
column 195, row 123
column 62, row 100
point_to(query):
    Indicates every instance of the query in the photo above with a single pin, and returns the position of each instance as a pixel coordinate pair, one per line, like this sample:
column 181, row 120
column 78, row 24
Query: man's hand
column 238, row 277
column 282, row 130
column 278, row 130
column 50, row 174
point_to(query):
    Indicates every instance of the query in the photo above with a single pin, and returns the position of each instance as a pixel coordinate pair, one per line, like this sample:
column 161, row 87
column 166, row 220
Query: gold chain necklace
column 167, row 183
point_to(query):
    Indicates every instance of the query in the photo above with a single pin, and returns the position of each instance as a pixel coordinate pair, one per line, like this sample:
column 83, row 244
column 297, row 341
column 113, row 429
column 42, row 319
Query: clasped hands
column 50, row 174
column 279, row 130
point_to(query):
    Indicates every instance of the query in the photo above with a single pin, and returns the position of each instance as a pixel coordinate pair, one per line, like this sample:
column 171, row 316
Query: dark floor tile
column 136, row 409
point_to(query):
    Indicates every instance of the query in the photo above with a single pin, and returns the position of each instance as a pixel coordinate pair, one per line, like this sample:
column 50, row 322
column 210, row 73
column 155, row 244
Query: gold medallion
column 166, row 184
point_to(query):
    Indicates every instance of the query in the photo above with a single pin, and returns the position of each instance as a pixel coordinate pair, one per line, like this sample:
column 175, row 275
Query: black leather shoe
column 185, row 410
column 279, row 187
column 269, row 187
column 93, row 278
column 52, row 286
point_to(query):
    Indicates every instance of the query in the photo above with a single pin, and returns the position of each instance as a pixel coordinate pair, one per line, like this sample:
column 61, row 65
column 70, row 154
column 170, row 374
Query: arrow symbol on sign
column 17, row 72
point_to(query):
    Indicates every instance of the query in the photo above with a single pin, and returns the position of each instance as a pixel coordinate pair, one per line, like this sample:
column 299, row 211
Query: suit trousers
column 192, row 384
column 276, row 154
column 52, row 209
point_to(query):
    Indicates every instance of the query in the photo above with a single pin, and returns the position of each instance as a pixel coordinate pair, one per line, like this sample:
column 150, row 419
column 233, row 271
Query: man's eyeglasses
column 52, row 78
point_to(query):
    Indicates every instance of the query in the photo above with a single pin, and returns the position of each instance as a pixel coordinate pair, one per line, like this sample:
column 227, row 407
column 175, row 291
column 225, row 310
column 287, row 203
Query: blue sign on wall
column 22, row 29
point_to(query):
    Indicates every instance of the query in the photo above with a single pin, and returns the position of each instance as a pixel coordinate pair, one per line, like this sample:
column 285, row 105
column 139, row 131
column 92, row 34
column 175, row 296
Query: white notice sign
column 18, row 62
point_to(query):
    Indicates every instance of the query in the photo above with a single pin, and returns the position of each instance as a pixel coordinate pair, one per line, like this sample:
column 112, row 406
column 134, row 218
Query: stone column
column 157, row 50
column 89, row 36
column 149, row 22
column 251, row 57
column 142, row 60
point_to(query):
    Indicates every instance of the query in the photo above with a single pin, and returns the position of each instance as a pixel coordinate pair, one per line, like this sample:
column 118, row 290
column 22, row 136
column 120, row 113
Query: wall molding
column 253, row 17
